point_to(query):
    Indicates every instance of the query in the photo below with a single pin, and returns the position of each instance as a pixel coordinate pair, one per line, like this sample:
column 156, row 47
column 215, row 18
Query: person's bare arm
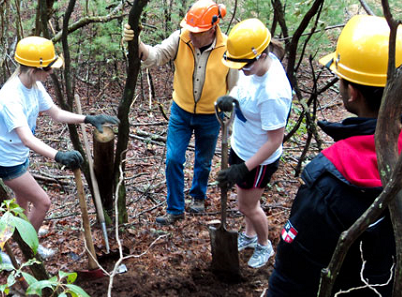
column 64, row 116
column 30, row 141
column 275, row 139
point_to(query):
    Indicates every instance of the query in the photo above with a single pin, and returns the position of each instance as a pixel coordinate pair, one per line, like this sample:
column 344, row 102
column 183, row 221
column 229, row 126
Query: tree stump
column 103, row 164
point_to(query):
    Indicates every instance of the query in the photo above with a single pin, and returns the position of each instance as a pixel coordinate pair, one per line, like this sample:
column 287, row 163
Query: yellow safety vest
column 215, row 84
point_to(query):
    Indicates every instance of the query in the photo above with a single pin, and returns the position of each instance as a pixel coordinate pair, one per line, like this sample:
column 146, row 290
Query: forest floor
column 159, row 260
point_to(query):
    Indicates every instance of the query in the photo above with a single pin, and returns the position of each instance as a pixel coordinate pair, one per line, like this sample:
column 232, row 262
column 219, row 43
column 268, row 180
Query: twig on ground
column 122, row 258
column 366, row 283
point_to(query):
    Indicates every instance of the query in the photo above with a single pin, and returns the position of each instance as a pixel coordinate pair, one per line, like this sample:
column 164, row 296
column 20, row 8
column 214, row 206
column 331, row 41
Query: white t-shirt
column 265, row 102
column 19, row 106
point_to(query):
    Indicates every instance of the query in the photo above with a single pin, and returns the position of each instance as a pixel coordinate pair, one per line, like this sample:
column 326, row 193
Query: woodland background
column 106, row 75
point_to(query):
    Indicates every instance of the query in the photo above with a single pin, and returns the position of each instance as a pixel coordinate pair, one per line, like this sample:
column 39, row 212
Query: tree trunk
column 279, row 17
column 390, row 168
column 103, row 164
column 387, row 134
column 133, row 68
column 292, row 47
column 38, row 270
column 3, row 192
column 47, row 8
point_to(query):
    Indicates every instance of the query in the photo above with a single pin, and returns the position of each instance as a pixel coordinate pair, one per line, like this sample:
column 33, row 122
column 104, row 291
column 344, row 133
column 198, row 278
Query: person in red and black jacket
column 343, row 180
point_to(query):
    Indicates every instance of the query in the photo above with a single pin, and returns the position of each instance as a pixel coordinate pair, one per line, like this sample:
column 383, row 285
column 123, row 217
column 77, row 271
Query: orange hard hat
column 202, row 15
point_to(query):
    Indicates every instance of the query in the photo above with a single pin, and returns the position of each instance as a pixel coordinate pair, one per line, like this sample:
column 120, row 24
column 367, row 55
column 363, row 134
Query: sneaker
column 197, row 206
column 6, row 261
column 261, row 255
column 243, row 242
column 169, row 219
column 45, row 253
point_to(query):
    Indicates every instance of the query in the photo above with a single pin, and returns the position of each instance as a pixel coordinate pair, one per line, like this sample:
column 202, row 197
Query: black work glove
column 71, row 159
column 234, row 174
column 99, row 120
column 225, row 103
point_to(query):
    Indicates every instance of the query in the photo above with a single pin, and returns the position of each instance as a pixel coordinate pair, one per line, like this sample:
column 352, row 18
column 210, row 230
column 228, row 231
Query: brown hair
column 275, row 47
column 372, row 95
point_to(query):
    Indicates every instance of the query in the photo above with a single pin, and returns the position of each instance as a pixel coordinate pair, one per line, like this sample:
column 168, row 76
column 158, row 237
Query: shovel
column 94, row 270
column 225, row 256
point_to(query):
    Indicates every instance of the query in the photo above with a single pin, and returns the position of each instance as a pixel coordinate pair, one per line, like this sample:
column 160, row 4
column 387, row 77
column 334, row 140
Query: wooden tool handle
column 224, row 189
column 95, row 185
column 225, row 123
column 85, row 220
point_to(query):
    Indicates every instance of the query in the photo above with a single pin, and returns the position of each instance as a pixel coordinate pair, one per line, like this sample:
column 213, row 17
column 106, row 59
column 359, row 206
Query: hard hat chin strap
column 49, row 66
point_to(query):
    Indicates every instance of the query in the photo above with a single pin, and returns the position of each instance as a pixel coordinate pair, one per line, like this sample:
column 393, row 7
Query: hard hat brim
column 233, row 65
column 59, row 63
column 192, row 29
column 328, row 61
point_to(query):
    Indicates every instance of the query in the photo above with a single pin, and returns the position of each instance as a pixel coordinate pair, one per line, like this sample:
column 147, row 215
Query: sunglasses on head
column 249, row 62
column 46, row 69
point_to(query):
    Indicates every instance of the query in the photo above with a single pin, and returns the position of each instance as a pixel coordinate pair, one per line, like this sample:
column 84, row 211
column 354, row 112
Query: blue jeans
column 182, row 125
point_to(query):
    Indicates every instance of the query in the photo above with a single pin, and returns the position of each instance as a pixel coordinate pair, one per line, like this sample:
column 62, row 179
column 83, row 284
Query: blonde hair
column 24, row 69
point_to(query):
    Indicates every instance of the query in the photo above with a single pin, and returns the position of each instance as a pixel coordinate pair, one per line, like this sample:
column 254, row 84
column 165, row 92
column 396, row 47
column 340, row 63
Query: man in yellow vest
column 199, row 79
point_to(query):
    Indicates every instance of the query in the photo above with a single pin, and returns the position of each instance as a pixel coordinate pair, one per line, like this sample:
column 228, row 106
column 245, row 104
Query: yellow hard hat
column 35, row 51
column 202, row 15
column 361, row 54
column 245, row 43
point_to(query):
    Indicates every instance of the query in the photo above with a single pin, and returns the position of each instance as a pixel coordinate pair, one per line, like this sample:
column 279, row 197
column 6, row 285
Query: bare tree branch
column 366, row 7
column 233, row 16
column 279, row 16
column 90, row 19
column 292, row 48
column 346, row 239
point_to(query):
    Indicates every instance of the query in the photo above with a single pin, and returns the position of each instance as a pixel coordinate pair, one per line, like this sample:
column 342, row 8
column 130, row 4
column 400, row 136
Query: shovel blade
column 225, row 256
column 84, row 275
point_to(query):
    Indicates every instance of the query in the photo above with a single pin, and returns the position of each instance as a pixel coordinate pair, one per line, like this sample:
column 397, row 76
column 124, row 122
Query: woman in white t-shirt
column 263, row 99
column 22, row 97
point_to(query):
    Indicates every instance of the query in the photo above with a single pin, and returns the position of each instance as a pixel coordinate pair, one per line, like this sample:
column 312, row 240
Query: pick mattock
column 225, row 256
column 95, row 185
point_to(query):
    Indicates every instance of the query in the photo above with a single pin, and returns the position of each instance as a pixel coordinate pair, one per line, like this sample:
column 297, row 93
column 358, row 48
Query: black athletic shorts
column 259, row 177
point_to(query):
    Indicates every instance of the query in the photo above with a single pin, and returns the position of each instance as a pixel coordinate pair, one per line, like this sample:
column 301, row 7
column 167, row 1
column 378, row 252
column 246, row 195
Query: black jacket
column 339, row 185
